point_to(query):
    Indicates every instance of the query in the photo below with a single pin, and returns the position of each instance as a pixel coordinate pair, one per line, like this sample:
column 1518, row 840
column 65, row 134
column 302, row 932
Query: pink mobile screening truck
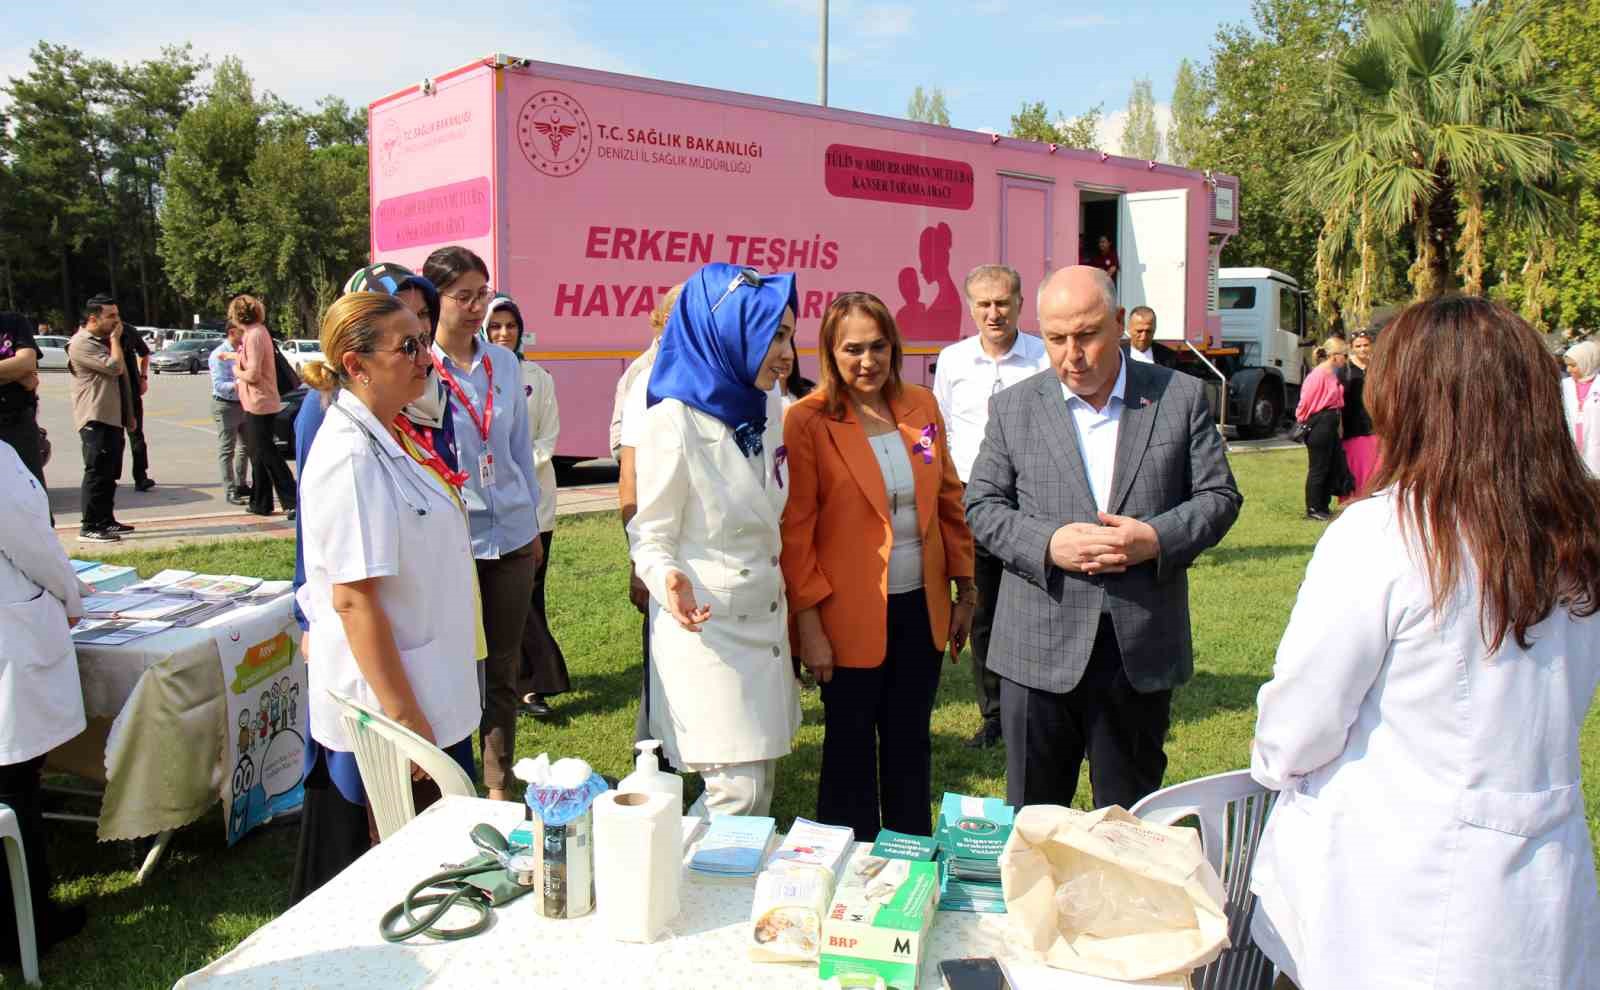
column 589, row 194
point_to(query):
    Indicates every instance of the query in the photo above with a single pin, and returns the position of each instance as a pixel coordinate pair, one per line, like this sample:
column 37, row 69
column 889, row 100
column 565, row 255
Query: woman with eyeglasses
column 879, row 563
column 542, row 671
column 711, row 487
column 495, row 446
column 389, row 574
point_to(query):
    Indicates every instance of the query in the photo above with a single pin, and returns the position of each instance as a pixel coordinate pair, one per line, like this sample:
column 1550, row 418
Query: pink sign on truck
column 590, row 194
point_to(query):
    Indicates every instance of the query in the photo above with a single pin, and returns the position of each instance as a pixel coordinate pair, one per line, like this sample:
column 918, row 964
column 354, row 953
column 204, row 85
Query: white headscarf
column 1587, row 357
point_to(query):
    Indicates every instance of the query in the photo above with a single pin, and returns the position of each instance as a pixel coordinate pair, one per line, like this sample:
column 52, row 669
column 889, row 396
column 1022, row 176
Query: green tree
column 928, row 107
column 1191, row 104
column 1259, row 76
column 1562, row 280
column 1033, row 123
column 1141, row 135
column 1437, row 116
column 202, row 223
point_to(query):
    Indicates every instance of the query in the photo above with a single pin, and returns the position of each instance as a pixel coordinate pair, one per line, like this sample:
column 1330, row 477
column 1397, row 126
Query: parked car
column 183, row 355
column 283, row 423
column 298, row 352
column 52, row 353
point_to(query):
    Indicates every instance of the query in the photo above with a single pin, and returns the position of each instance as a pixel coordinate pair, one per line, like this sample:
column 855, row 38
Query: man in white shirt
column 1141, row 344
column 967, row 375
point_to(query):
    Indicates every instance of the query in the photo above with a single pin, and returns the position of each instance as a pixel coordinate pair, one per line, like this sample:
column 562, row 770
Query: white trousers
column 735, row 788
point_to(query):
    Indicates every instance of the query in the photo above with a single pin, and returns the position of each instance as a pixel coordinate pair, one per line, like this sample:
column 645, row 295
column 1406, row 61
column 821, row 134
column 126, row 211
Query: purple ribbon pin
column 780, row 457
column 925, row 443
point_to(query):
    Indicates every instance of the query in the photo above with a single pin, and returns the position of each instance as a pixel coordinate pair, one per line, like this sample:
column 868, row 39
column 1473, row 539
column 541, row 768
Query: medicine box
column 878, row 922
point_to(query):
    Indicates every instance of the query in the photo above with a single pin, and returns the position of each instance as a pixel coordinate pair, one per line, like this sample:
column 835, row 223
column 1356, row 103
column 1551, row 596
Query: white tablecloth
column 331, row 938
column 156, row 717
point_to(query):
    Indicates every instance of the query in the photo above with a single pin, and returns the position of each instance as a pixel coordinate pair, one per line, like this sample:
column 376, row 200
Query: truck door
column 1026, row 208
column 1152, row 240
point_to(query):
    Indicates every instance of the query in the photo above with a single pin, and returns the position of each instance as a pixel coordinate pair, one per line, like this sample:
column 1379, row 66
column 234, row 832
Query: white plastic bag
column 1106, row 894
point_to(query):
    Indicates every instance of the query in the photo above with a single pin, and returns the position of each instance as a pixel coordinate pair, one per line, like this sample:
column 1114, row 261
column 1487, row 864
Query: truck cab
column 1266, row 337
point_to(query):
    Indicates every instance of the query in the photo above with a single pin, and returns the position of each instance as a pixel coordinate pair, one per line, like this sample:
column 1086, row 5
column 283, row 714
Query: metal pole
column 822, row 58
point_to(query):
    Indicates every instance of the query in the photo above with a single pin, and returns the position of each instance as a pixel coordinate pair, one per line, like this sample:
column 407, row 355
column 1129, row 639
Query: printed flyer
column 264, row 679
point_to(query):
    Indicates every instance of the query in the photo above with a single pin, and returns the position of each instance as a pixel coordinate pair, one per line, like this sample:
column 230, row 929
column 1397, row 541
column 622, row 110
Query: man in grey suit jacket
column 1098, row 483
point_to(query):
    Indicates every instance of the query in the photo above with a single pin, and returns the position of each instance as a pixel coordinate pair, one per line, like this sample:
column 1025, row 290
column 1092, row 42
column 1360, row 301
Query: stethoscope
column 413, row 485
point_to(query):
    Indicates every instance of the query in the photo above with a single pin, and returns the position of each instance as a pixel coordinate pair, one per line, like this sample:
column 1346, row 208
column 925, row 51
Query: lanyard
column 432, row 460
column 483, row 422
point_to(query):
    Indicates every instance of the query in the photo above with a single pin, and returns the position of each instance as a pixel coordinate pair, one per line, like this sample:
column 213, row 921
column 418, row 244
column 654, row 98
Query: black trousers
column 102, row 464
column 21, row 791
column 268, row 470
column 136, row 444
column 543, row 670
column 1325, row 468
column 20, row 429
column 1119, row 729
column 987, row 571
column 506, row 585
column 876, row 731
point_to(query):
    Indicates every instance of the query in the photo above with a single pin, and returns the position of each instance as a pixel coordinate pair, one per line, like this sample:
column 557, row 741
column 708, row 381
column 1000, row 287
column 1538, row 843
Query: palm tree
column 1441, row 120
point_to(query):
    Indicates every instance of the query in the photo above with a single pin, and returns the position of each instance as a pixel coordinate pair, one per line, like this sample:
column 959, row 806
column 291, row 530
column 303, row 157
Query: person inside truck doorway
column 1105, row 258
column 495, row 446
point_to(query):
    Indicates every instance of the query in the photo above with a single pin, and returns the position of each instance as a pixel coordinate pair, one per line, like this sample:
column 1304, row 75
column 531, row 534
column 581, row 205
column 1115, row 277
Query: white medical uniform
column 723, row 700
column 41, row 699
column 1430, row 831
column 544, row 422
column 359, row 521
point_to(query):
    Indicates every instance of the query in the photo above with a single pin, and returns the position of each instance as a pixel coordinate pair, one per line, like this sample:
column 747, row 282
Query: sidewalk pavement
column 169, row 531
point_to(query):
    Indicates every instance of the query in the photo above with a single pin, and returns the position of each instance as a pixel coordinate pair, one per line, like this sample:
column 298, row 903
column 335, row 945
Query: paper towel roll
column 638, row 861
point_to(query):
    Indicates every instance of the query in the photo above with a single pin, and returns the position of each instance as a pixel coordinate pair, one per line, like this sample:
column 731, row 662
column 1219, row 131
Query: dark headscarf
column 714, row 343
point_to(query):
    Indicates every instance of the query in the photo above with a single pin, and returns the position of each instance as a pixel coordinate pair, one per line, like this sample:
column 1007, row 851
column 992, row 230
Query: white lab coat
column 544, row 422
column 1589, row 416
column 1430, row 831
column 359, row 519
column 726, row 694
column 41, row 699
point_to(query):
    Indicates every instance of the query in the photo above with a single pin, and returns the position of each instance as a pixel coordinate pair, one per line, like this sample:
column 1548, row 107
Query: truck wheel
column 1264, row 411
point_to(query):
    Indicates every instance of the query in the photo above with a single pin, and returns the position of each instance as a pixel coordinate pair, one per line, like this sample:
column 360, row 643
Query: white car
column 299, row 352
column 52, row 353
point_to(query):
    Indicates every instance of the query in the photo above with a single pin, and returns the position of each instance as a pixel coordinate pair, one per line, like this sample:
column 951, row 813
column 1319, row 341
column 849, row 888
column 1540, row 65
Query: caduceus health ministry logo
column 389, row 148
column 554, row 133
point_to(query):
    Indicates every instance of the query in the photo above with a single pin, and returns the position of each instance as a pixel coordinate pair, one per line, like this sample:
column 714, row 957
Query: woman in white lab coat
column 391, row 591
column 542, row 672
column 1580, row 401
column 711, row 477
column 1422, row 720
column 41, row 700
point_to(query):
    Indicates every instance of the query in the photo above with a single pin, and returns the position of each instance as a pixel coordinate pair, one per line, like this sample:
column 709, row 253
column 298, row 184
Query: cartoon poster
column 264, row 680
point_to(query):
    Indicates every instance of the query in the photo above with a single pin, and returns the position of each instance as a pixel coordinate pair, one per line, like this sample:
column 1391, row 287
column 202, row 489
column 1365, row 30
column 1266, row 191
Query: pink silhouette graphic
column 556, row 131
column 942, row 320
column 912, row 318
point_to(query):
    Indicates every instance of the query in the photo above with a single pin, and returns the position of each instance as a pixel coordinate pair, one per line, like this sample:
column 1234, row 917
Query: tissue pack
column 878, row 922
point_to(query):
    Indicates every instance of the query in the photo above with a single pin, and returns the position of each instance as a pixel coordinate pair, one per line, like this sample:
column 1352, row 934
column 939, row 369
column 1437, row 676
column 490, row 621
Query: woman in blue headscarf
column 711, row 488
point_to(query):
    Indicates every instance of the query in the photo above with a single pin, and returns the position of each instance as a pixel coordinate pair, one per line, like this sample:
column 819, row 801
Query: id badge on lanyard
column 482, row 423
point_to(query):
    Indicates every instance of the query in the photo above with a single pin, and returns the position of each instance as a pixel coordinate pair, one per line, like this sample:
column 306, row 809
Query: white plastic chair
column 21, row 896
column 385, row 750
column 1232, row 809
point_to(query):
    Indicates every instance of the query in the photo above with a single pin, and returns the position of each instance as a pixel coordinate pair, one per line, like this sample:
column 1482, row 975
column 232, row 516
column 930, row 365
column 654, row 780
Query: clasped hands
column 1113, row 546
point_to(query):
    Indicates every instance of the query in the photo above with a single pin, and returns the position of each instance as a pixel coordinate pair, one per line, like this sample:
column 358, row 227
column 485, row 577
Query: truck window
column 1236, row 297
column 1289, row 310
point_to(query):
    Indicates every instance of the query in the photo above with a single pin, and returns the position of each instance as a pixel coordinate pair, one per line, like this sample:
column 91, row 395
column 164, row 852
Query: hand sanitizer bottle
column 648, row 776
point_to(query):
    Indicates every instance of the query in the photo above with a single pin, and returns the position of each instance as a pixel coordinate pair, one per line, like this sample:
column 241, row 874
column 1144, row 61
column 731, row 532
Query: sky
column 988, row 56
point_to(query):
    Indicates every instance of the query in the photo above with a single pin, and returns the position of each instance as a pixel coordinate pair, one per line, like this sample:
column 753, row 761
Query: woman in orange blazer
column 874, row 537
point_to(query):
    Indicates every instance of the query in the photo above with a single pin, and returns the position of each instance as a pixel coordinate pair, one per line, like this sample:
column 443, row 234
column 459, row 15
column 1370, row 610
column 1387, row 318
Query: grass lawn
column 205, row 898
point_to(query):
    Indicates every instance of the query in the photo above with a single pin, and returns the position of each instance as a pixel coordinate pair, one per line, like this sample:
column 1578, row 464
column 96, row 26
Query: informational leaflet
column 264, row 681
column 114, row 632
